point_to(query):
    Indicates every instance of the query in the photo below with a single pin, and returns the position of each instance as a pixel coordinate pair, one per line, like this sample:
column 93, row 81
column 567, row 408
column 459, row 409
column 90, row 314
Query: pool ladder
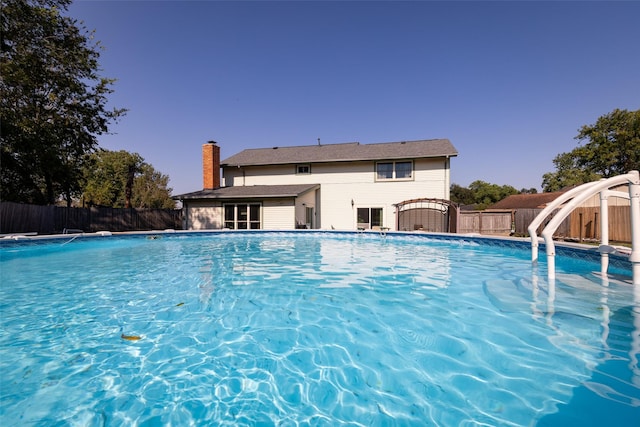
column 574, row 198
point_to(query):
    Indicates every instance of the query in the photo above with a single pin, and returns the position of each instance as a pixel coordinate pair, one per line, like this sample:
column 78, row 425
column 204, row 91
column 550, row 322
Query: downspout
column 447, row 178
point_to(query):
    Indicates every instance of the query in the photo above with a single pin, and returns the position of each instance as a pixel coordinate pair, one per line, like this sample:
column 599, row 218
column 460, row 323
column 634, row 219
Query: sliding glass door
column 242, row 216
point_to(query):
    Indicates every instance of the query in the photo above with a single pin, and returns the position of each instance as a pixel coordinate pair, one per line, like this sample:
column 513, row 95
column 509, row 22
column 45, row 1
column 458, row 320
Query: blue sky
column 509, row 83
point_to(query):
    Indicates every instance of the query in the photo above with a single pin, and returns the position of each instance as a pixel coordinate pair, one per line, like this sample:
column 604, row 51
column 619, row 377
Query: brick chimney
column 210, row 165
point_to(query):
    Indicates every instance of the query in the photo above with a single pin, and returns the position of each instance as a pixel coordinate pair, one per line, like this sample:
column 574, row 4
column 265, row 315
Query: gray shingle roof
column 352, row 151
column 250, row 191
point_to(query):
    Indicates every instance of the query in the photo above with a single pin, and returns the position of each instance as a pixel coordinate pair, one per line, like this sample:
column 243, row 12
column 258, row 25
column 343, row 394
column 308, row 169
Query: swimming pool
column 311, row 328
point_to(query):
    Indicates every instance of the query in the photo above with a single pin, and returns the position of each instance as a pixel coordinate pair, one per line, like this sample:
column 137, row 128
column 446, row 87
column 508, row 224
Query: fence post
column 580, row 227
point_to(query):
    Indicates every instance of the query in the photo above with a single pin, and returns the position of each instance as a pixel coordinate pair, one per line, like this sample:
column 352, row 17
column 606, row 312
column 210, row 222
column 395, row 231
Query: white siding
column 278, row 214
column 284, row 175
column 340, row 184
column 430, row 172
column 203, row 216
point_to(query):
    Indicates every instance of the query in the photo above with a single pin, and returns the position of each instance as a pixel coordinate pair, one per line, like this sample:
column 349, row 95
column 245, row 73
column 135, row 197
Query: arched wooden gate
column 435, row 215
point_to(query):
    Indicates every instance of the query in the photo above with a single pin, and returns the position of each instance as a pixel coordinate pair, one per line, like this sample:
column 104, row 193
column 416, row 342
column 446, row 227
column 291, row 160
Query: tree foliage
column 461, row 195
column 108, row 177
column 568, row 173
column 121, row 179
column 487, row 194
column 481, row 194
column 612, row 148
column 531, row 190
column 52, row 101
column 151, row 190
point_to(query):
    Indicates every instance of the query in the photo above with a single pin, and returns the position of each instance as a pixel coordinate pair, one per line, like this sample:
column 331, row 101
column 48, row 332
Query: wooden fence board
column 585, row 223
column 469, row 222
column 524, row 217
column 619, row 223
column 22, row 218
column 488, row 222
column 485, row 222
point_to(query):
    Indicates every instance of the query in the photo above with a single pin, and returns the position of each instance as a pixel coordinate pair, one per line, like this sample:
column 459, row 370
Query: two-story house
column 336, row 186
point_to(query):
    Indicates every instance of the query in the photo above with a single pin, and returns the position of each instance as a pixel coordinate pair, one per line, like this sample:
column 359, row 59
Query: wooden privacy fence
column 524, row 217
column 22, row 218
column 585, row 224
column 485, row 222
column 582, row 224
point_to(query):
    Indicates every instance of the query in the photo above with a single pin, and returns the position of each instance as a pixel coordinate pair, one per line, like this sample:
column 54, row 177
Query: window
column 242, row 216
column 403, row 170
column 369, row 218
column 303, row 169
column 386, row 171
column 376, row 217
column 230, row 216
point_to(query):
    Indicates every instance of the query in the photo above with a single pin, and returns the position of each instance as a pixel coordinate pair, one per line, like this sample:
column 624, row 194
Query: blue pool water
column 311, row 328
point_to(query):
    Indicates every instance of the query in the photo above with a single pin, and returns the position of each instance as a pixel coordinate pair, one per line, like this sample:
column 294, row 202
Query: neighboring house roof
column 526, row 201
column 352, row 151
column 250, row 191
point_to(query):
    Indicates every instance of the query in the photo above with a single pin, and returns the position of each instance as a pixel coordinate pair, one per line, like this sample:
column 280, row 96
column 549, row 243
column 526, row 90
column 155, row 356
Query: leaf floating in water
column 179, row 304
column 130, row 337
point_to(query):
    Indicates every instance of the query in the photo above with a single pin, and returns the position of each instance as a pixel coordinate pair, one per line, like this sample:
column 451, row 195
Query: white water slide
column 575, row 198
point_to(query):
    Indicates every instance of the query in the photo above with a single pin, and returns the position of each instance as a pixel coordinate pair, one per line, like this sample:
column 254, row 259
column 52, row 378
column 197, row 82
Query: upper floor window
column 303, row 169
column 394, row 171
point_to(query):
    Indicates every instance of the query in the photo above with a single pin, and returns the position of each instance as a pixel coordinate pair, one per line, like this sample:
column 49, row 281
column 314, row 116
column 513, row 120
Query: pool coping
column 567, row 249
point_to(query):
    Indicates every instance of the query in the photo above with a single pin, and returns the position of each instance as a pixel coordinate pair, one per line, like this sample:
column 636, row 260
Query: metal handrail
column 578, row 195
column 533, row 227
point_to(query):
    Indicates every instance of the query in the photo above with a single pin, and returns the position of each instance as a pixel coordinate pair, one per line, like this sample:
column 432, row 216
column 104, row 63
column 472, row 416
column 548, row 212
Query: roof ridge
column 344, row 143
column 308, row 146
column 410, row 141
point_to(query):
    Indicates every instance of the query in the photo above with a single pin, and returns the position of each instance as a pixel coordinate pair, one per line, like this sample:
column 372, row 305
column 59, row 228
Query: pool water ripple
column 310, row 329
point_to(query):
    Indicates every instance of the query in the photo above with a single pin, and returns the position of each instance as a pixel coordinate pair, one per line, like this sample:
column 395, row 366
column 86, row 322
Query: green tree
column 461, row 195
column 531, row 190
column 612, row 148
column 480, row 193
column 121, row 179
column 150, row 189
column 109, row 176
column 568, row 173
column 52, row 101
column 486, row 194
